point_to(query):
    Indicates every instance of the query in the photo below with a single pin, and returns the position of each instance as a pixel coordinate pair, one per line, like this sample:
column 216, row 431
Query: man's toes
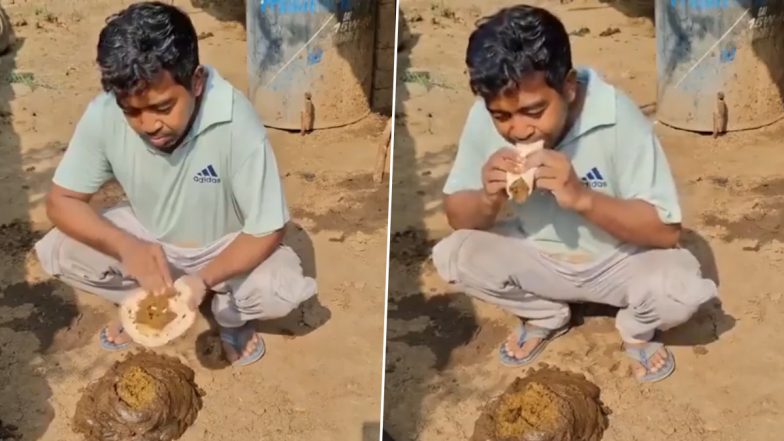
column 253, row 342
column 113, row 332
column 639, row 370
column 230, row 352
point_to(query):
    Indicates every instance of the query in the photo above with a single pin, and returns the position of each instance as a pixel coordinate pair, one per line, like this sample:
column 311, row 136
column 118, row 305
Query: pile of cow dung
column 146, row 397
column 548, row 404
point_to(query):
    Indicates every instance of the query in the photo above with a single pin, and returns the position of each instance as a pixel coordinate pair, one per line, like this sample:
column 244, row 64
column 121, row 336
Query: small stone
column 337, row 236
column 609, row 32
column 754, row 246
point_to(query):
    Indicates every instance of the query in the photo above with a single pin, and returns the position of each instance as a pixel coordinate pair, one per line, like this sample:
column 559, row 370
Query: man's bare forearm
column 632, row 221
column 242, row 256
column 77, row 219
column 472, row 210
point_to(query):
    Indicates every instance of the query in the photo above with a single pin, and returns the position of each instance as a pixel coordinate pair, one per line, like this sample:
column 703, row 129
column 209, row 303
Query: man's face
column 161, row 113
column 534, row 111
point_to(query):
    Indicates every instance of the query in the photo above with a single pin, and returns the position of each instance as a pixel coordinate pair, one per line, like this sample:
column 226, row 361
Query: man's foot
column 523, row 348
column 114, row 338
column 243, row 345
column 652, row 361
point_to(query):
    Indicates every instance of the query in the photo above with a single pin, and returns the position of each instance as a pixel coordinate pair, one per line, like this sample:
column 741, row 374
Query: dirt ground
column 321, row 377
column 442, row 363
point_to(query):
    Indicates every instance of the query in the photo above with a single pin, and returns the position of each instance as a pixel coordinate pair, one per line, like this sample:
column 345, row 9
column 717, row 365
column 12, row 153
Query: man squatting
column 603, row 225
column 205, row 198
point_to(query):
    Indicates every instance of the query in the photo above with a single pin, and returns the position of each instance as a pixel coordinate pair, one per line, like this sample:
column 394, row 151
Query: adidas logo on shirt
column 207, row 176
column 594, row 179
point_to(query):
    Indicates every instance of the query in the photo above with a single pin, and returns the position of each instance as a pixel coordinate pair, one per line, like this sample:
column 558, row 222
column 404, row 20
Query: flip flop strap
column 105, row 332
column 233, row 336
column 644, row 354
column 533, row 331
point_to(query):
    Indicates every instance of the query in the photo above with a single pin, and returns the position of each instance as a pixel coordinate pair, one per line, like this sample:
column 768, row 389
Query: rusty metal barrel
column 324, row 48
column 705, row 47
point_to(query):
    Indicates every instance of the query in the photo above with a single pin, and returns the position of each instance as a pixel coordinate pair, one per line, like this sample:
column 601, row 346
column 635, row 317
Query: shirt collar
column 217, row 103
column 599, row 107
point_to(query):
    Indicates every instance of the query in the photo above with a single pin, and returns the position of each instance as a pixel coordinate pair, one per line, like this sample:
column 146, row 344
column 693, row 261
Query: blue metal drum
column 324, row 48
column 705, row 47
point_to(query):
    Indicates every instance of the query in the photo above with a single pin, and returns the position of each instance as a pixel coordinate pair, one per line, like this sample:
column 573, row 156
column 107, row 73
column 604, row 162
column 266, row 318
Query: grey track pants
column 272, row 290
column 654, row 289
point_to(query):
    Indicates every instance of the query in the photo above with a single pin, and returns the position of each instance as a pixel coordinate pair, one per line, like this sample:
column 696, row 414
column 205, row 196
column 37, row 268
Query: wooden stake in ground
column 720, row 116
column 308, row 115
column 383, row 152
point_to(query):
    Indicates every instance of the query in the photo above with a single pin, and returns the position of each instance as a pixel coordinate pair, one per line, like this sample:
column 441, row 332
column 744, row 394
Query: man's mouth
column 159, row 140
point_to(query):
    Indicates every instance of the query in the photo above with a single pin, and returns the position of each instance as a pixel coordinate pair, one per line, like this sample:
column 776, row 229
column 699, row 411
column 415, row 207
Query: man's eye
column 164, row 110
column 501, row 117
column 535, row 114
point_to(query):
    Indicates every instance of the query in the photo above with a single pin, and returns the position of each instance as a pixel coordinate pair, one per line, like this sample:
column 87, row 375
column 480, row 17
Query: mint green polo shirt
column 222, row 179
column 613, row 148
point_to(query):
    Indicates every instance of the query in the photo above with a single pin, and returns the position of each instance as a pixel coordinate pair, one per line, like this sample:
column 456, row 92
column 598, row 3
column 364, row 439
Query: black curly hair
column 516, row 42
column 142, row 41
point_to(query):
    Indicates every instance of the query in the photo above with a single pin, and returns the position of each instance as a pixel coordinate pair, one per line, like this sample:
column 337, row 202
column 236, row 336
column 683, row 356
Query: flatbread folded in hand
column 155, row 320
column 520, row 186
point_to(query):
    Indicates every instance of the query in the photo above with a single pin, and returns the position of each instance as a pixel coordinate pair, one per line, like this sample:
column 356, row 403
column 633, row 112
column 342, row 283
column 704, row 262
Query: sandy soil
column 442, row 347
column 321, row 377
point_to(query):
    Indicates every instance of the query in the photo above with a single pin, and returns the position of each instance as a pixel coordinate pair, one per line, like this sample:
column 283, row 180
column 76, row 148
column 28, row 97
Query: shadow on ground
column 439, row 322
column 310, row 316
column 36, row 319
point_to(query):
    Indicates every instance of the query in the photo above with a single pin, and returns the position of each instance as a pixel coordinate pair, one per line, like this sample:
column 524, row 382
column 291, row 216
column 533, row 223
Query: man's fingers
column 544, row 158
column 507, row 164
column 163, row 268
column 545, row 172
column 508, row 153
column 496, row 187
column 152, row 284
column 551, row 184
column 506, row 159
column 495, row 175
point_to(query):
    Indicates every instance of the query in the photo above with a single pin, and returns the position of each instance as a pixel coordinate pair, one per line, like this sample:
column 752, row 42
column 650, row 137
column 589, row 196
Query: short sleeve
column 644, row 173
column 258, row 191
column 466, row 172
column 85, row 166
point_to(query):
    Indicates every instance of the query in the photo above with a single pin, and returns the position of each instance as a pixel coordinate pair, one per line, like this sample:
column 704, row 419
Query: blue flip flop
column 526, row 333
column 233, row 336
column 643, row 356
column 109, row 346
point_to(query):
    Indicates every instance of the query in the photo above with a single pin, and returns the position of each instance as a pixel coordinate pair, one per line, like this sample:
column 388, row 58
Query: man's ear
column 570, row 86
column 198, row 81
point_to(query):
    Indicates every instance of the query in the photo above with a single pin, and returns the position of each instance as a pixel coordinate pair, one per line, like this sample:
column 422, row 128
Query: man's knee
column 275, row 288
column 47, row 250
column 61, row 255
column 458, row 252
column 671, row 291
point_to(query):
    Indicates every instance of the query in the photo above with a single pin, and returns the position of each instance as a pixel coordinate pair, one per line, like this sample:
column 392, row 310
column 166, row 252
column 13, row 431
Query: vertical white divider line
column 390, row 176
